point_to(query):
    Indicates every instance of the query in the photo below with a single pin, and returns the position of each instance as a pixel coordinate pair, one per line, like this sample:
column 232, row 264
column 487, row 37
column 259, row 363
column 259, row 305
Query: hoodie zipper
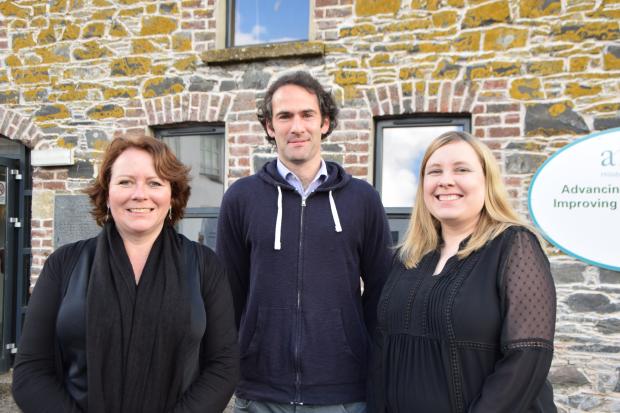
column 297, row 355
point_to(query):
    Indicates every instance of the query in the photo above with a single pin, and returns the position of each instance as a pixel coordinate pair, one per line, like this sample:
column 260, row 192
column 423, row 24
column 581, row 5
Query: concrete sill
column 263, row 52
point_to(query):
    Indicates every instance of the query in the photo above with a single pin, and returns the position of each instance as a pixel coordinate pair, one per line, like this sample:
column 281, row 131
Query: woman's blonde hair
column 424, row 232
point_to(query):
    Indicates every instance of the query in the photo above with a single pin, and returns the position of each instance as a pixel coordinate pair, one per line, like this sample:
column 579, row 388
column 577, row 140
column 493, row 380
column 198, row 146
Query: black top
column 50, row 369
column 478, row 337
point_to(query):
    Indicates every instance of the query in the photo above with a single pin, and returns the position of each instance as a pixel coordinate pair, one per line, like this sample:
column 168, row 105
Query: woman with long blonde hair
column 467, row 316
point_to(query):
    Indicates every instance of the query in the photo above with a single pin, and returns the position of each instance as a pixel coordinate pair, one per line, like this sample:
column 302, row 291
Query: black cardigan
column 38, row 378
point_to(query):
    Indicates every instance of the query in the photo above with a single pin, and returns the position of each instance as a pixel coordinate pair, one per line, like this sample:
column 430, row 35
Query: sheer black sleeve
column 528, row 305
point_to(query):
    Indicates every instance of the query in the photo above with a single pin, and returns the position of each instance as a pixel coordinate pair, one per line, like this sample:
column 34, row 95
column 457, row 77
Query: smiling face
column 297, row 126
column 454, row 185
column 137, row 197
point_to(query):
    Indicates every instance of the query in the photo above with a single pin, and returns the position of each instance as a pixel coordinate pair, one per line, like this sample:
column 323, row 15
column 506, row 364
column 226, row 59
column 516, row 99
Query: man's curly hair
column 327, row 105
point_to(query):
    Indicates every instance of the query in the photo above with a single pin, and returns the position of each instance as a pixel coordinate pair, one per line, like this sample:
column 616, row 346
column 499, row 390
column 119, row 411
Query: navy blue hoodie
column 294, row 271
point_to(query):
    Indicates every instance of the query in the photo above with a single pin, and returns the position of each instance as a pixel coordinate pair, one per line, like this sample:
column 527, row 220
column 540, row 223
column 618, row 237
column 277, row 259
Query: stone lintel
column 263, row 52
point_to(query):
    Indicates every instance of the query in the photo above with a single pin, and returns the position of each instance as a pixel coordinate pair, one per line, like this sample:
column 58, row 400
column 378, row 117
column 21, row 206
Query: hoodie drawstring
column 332, row 205
column 277, row 245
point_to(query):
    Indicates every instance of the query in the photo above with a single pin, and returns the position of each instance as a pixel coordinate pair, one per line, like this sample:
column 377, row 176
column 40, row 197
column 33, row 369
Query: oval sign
column 574, row 197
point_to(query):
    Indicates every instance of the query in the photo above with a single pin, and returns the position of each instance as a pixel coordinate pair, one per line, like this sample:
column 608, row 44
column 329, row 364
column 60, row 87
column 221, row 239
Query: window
column 202, row 148
column 400, row 146
column 253, row 22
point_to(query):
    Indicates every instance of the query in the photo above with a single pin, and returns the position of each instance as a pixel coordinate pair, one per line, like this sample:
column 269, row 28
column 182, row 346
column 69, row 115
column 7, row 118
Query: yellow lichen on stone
column 488, row 13
column 577, row 32
column 410, row 72
column 434, row 48
column 579, row 63
column 348, row 64
column 604, row 107
column 408, row 25
column 467, row 42
column 611, row 61
column 532, row 9
column 50, row 55
column 10, row 9
column 58, row 6
column 125, row 92
column 72, row 95
column 39, row 22
column 157, row 25
column 91, row 30
column 359, row 30
column 72, row 32
column 526, row 89
column 118, row 30
column 50, row 112
column 557, row 109
column 373, row 7
column 433, row 88
column 159, row 70
column 456, row 3
column 62, row 143
column 4, row 78
column 494, row 69
column 397, row 47
column 151, row 9
column 104, row 14
column 181, row 42
column 430, row 5
column 22, row 41
column 185, row 64
column 350, row 77
column 101, row 3
column 504, row 38
column 105, row 111
column 13, row 61
column 18, row 24
column 445, row 18
column 161, row 86
column 31, row 75
column 547, row 67
column 35, row 95
column 576, row 90
column 130, row 66
column 382, row 59
column 136, row 11
column 46, row 36
column 90, row 50
column 445, row 70
column 407, row 88
column 142, row 46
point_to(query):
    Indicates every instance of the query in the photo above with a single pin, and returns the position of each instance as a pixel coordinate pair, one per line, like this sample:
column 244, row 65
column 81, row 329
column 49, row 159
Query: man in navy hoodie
column 296, row 237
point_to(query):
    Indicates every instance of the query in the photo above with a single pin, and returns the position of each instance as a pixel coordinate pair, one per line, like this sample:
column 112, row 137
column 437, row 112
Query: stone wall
column 533, row 74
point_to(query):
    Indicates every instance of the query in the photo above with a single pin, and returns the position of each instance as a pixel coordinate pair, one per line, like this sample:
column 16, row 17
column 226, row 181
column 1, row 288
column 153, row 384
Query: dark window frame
column 398, row 217
column 182, row 130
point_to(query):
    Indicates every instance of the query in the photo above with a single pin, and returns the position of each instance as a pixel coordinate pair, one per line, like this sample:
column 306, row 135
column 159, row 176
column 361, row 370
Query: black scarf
column 135, row 339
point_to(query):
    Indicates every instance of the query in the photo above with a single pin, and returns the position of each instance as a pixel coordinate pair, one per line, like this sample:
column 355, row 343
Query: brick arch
column 421, row 96
column 17, row 127
column 187, row 107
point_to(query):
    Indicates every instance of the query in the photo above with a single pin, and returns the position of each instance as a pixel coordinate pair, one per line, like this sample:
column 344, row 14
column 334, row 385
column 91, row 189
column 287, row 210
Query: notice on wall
column 72, row 219
column 574, row 197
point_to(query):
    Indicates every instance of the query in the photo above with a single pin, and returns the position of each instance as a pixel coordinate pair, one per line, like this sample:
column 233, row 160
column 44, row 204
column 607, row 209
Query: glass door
column 9, row 226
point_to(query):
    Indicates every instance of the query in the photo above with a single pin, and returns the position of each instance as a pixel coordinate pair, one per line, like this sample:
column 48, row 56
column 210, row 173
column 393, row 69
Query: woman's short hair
column 424, row 232
column 327, row 105
column 167, row 167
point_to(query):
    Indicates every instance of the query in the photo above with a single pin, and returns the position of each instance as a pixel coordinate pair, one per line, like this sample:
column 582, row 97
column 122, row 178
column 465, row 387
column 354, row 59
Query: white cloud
column 277, row 5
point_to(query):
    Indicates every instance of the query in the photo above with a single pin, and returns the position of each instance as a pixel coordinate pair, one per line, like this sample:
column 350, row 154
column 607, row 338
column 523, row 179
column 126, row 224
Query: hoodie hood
column 337, row 177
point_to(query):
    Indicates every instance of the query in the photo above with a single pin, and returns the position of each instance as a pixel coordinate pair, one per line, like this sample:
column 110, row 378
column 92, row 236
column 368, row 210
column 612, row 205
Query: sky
column 270, row 21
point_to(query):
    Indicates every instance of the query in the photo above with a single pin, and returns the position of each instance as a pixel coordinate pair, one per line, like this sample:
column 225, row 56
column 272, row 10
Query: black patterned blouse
column 476, row 338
